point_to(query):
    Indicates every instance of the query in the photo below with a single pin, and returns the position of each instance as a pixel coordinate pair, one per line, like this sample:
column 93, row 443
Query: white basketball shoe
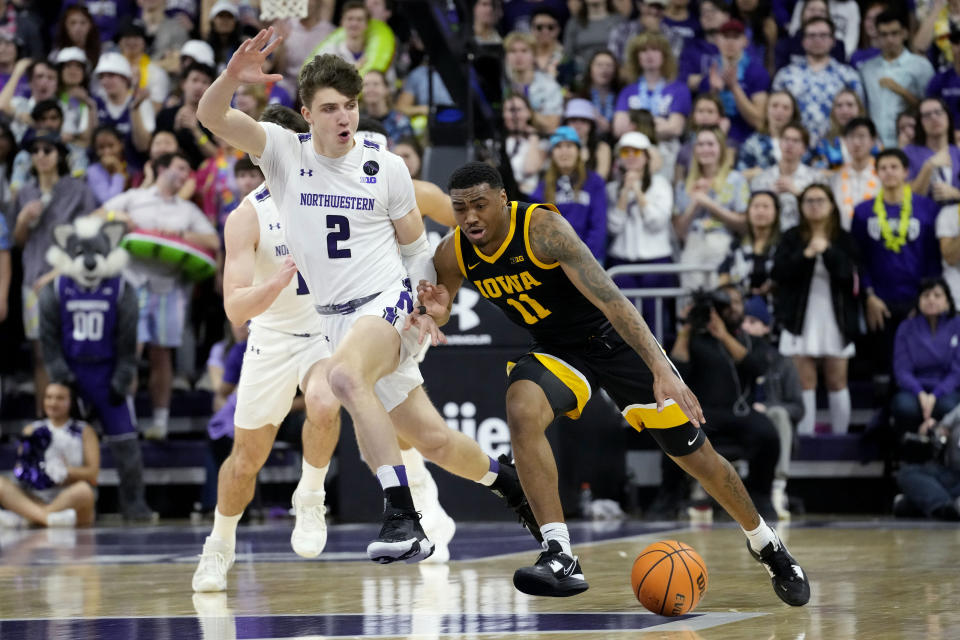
column 309, row 535
column 215, row 561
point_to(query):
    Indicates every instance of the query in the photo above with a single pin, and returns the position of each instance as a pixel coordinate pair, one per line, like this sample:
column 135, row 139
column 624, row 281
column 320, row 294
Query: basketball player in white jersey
column 286, row 340
column 349, row 215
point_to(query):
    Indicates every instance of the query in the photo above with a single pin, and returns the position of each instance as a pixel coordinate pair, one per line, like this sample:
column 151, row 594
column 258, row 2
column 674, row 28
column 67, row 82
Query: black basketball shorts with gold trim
column 569, row 375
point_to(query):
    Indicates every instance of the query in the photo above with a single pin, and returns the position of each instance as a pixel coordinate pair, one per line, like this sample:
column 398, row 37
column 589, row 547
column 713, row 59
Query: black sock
column 398, row 497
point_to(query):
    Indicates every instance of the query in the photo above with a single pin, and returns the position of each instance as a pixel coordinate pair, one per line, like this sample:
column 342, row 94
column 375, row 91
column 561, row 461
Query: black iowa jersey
column 539, row 297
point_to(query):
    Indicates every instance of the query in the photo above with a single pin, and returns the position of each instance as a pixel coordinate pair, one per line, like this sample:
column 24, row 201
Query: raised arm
column 214, row 110
column 554, row 240
column 242, row 299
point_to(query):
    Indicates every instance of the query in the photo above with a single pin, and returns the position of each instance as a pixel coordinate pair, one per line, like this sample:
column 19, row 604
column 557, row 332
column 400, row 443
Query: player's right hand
column 245, row 64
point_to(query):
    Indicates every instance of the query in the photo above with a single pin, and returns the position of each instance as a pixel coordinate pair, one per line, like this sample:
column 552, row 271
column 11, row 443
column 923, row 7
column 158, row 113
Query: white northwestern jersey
column 292, row 312
column 338, row 213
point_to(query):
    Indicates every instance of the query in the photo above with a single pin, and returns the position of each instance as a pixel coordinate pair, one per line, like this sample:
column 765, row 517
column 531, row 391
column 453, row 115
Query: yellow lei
column 894, row 243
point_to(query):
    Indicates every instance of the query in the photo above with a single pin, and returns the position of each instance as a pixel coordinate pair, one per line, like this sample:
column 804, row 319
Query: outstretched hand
column 246, row 62
column 669, row 386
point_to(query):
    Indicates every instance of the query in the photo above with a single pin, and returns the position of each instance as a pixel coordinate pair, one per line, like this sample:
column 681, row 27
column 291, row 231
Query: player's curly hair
column 473, row 174
column 331, row 71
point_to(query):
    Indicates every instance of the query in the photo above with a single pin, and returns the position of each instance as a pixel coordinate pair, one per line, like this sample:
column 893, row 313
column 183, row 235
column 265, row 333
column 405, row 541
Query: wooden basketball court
column 875, row 580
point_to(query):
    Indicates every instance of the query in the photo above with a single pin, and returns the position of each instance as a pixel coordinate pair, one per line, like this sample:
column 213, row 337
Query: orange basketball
column 669, row 578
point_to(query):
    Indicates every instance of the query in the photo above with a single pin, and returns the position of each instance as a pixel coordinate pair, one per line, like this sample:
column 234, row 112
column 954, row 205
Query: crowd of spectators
column 801, row 152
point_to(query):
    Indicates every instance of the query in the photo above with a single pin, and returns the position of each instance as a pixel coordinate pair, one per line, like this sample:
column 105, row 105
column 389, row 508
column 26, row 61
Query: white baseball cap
column 222, row 6
column 113, row 62
column 71, row 54
column 199, row 50
column 633, row 140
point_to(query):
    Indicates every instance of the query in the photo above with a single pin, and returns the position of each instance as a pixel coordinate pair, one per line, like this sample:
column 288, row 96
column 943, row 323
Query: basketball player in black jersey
column 528, row 261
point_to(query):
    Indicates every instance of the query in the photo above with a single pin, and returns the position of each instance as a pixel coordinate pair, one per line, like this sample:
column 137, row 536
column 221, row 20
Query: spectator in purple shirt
column 580, row 195
column 946, row 84
column 896, row 236
column 869, row 39
column 740, row 81
column 927, row 361
column 700, row 53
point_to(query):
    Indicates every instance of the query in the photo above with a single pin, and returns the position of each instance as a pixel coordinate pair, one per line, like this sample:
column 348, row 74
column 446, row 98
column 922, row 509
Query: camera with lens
column 702, row 302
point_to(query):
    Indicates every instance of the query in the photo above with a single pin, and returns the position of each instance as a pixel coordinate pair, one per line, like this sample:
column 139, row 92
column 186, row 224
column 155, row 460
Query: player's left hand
column 668, row 385
column 426, row 325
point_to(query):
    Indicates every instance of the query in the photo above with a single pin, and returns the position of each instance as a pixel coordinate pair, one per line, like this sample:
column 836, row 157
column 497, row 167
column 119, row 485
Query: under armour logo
column 306, row 172
column 272, row 226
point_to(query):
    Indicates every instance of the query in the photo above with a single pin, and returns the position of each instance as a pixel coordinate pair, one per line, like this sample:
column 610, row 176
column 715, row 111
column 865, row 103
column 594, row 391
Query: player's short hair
column 351, row 5
column 473, row 174
column 285, row 117
column 328, row 71
column 372, row 125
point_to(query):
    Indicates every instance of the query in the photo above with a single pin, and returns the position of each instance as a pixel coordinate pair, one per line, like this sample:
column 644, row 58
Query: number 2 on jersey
column 342, row 226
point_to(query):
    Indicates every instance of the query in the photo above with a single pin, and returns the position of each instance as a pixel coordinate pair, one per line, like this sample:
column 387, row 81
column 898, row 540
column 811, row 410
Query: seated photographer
column 720, row 363
column 57, row 467
column 927, row 361
column 777, row 393
column 933, row 489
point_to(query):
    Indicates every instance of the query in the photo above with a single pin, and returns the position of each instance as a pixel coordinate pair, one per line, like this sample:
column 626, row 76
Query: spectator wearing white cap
column 582, row 116
column 79, row 107
column 118, row 105
column 638, row 221
column 147, row 74
column 225, row 34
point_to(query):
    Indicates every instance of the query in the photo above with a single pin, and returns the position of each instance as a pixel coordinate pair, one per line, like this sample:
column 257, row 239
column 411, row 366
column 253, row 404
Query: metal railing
column 659, row 294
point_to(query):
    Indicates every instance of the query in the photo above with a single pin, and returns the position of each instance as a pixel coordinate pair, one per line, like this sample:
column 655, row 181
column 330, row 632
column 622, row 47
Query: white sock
column 557, row 531
column 806, row 425
column 840, row 410
column 761, row 536
column 311, row 477
column 225, row 527
column 414, row 463
column 161, row 415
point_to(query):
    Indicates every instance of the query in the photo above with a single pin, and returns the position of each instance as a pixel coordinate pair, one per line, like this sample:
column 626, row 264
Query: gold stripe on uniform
column 459, row 251
column 506, row 241
column 646, row 416
column 570, row 377
column 526, row 234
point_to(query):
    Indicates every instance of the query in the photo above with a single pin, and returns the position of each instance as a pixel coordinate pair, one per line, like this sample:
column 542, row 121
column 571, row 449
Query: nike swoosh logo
column 690, row 443
column 471, row 266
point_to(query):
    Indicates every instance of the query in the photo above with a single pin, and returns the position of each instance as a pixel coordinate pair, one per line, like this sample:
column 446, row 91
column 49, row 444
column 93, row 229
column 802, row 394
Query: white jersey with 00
column 291, row 312
column 338, row 213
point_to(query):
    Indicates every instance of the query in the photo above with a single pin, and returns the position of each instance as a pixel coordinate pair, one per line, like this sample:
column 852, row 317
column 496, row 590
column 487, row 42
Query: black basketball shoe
column 789, row 581
column 555, row 574
column 507, row 487
column 401, row 538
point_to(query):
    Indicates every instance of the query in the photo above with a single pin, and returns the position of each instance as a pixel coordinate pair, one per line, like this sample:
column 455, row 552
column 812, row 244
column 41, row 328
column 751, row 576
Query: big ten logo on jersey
column 492, row 434
column 387, row 598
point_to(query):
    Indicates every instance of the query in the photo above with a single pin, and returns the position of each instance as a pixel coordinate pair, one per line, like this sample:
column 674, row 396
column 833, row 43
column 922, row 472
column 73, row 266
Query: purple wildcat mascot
column 88, row 331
